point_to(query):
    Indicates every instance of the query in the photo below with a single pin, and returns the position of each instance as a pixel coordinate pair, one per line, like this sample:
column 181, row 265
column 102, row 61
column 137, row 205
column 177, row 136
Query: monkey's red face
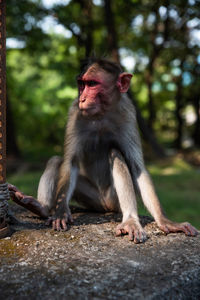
column 98, row 91
column 95, row 91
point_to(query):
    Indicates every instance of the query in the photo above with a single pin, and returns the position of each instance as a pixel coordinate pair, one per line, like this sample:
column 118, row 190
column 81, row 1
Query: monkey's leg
column 127, row 199
column 27, row 202
column 48, row 182
column 152, row 203
column 46, row 191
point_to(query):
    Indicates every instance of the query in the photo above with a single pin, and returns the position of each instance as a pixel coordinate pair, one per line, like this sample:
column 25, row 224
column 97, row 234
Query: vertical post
column 4, row 193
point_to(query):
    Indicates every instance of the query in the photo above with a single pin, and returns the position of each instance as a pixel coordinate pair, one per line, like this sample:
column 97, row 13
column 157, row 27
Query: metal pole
column 4, row 193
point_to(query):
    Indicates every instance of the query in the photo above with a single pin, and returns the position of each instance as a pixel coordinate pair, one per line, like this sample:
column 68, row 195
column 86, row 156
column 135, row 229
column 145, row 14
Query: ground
column 89, row 262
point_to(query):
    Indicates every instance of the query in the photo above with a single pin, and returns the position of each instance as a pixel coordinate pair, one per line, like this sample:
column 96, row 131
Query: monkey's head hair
column 105, row 64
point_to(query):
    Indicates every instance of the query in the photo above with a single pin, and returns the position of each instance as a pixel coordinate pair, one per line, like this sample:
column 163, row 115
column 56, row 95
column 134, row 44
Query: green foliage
column 158, row 36
column 40, row 100
column 26, row 182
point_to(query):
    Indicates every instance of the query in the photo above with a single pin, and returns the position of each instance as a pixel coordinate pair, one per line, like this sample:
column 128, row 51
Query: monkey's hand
column 168, row 226
column 61, row 223
column 133, row 229
column 62, row 216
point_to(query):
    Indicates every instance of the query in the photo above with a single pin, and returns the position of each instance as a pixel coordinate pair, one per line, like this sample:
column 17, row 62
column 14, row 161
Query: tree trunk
column 111, row 31
column 88, row 28
column 155, row 52
column 85, row 38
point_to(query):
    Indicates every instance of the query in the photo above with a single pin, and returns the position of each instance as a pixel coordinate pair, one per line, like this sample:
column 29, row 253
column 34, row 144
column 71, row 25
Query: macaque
column 103, row 165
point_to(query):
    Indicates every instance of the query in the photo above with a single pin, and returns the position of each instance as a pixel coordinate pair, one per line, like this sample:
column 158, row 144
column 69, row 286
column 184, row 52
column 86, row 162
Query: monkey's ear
column 123, row 82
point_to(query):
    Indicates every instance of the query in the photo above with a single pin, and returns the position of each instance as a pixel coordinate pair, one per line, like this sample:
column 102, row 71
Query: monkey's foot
column 28, row 202
column 134, row 231
column 168, row 226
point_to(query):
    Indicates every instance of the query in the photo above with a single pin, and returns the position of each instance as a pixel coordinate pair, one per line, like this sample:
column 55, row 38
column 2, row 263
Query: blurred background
column 158, row 41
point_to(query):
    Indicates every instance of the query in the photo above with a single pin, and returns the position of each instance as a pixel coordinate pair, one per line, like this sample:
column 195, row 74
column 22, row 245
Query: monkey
column 103, row 167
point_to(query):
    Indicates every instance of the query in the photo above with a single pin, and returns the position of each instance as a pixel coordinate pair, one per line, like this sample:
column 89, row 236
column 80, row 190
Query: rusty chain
column 4, row 193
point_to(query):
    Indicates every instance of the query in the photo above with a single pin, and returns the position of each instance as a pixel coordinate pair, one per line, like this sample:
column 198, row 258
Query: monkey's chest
column 94, row 159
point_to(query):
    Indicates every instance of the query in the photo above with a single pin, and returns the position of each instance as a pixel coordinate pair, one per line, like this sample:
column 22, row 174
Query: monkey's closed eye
column 92, row 83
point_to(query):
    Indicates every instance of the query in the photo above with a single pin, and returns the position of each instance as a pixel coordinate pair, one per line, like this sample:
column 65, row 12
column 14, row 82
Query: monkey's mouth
column 91, row 110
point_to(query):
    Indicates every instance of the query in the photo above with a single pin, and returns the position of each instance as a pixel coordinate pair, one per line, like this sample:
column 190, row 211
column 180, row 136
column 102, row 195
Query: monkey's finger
column 130, row 234
column 143, row 237
column 54, row 224
column 192, row 230
column 58, row 228
column 185, row 230
column 64, row 224
column 118, row 232
column 137, row 237
column 124, row 231
column 189, row 230
column 164, row 228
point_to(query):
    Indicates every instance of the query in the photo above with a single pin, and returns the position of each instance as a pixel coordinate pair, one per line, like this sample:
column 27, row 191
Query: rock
column 89, row 262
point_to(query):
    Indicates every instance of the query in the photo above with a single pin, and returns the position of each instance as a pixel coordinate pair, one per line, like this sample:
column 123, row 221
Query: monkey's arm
column 66, row 185
column 126, row 195
column 134, row 156
column 68, row 174
column 152, row 203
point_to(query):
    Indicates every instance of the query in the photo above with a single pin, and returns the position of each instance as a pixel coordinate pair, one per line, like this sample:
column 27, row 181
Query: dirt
column 89, row 262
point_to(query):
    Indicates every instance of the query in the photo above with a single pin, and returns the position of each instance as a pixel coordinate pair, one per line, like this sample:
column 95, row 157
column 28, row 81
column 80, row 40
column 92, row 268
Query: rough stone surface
column 89, row 262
